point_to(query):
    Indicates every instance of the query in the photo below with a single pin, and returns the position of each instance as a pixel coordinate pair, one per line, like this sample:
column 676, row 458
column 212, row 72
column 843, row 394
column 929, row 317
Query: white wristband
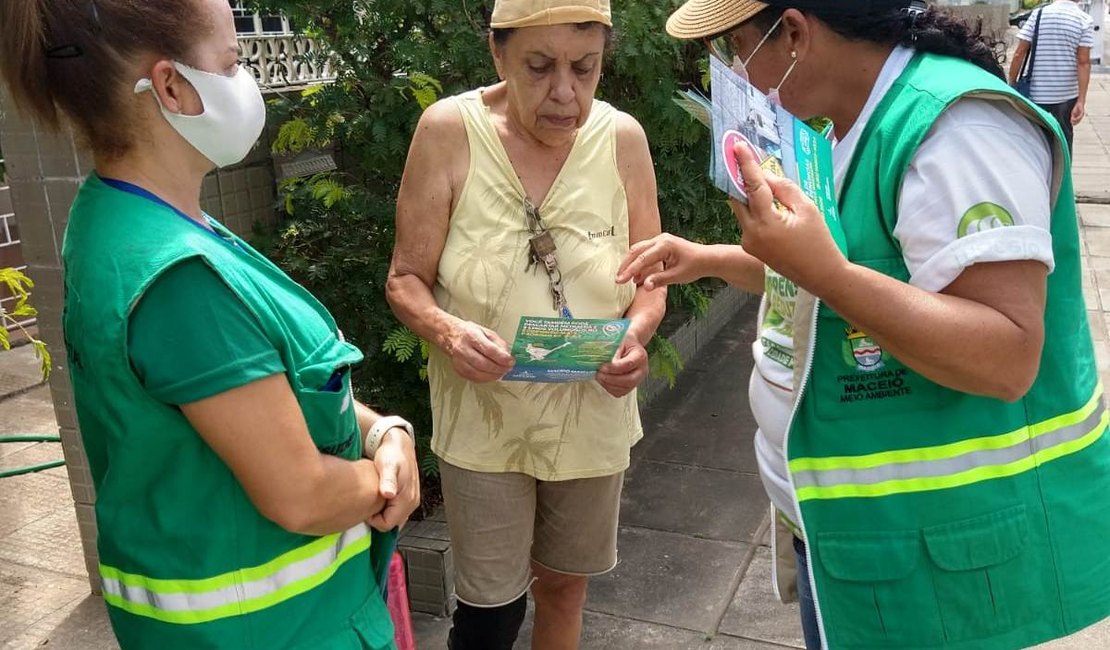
column 377, row 433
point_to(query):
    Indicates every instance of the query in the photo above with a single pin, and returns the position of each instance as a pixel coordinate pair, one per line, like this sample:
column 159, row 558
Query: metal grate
column 307, row 166
column 9, row 246
column 250, row 23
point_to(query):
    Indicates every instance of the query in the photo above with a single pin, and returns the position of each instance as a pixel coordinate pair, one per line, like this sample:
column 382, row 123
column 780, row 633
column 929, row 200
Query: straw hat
column 702, row 18
column 532, row 13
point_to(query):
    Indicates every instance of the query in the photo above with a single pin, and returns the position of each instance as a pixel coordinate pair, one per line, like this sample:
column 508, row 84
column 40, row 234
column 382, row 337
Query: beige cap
column 703, row 18
column 532, row 13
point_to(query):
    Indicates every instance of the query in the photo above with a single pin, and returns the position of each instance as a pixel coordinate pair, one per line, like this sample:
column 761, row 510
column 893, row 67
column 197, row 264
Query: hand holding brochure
column 560, row 350
column 787, row 146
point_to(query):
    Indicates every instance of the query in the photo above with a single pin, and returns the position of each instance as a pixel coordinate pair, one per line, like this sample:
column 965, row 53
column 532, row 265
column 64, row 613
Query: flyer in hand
column 561, row 350
column 787, row 146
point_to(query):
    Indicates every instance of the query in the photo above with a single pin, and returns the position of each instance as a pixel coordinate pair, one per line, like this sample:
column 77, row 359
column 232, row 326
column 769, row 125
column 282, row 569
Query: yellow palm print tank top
column 549, row 431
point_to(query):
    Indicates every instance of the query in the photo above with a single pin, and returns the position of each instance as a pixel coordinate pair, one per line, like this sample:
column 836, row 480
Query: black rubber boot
column 487, row 628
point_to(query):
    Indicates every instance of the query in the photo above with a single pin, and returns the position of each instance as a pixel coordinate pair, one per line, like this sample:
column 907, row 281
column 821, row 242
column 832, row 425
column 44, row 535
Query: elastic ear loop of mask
column 762, row 41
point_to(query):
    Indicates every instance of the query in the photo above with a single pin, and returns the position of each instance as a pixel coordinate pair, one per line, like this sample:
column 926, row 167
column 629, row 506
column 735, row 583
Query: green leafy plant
column 19, row 285
column 403, row 343
column 393, row 58
column 666, row 361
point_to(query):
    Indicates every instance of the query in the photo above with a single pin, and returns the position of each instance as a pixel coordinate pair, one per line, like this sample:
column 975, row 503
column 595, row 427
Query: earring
column 793, row 54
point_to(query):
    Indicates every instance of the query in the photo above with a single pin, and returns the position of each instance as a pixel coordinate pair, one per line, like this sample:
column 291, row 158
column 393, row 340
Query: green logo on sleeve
column 984, row 217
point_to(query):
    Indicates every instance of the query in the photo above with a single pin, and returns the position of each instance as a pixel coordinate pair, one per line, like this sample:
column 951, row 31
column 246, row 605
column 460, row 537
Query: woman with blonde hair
column 239, row 486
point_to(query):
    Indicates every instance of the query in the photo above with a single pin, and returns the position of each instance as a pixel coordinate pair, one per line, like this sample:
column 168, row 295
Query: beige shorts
column 500, row 522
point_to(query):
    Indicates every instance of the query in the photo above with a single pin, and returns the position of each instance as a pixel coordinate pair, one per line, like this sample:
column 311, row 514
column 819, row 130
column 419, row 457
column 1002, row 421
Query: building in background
column 11, row 253
column 250, row 23
column 1097, row 10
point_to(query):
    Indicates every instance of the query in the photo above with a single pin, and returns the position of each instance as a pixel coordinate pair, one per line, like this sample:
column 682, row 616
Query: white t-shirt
column 1063, row 30
column 977, row 190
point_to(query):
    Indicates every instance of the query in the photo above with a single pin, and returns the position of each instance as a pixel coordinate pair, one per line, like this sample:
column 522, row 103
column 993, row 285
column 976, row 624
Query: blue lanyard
column 131, row 188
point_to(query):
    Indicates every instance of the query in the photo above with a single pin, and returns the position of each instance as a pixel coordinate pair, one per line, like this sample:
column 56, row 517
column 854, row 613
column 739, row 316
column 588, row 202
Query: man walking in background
column 1061, row 63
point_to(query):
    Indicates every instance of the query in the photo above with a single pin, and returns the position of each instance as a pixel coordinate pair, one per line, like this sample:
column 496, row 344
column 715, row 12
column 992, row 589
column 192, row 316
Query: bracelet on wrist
column 379, row 429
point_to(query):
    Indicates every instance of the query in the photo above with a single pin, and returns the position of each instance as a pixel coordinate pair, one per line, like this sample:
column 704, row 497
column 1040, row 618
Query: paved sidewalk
column 44, row 587
column 21, row 373
column 695, row 566
column 1091, row 158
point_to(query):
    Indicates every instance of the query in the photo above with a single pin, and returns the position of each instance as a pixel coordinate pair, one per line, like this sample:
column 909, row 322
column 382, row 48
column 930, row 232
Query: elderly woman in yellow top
column 531, row 472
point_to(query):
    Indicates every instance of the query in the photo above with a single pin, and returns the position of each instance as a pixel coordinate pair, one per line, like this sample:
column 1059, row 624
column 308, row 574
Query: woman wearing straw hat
column 531, row 473
column 932, row 425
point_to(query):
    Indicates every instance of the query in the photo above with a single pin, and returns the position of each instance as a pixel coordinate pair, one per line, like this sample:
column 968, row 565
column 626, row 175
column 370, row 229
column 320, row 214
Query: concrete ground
column 695, row 566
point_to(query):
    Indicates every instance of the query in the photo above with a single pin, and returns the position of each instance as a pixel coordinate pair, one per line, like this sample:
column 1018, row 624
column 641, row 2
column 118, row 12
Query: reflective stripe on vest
column 235, row 592
column 952, row 465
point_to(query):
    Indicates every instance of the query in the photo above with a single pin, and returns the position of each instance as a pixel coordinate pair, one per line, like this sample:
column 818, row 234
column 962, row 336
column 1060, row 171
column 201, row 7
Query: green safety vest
column 935, row 518
column 186, row 560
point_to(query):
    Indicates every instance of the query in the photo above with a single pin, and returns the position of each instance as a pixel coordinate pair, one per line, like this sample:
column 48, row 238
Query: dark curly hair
column 935, row 31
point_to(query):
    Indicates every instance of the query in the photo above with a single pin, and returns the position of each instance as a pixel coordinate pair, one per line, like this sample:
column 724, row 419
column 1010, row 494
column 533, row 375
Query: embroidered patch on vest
column 861, row 351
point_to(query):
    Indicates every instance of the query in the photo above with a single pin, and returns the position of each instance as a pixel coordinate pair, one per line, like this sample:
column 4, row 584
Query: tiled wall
column 241, row 198
column 45, row 172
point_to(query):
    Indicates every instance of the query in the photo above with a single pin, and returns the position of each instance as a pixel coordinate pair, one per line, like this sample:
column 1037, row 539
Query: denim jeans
column 810, row 629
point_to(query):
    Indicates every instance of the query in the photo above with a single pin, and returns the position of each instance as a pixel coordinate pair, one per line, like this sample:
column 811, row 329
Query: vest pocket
column 374, row 624
column 369, row 628
column 982, row 573
column 855, row 377
column 330, row 414
column 951, row 583
column 321, row 380
column 326, row 414
column 877, row 577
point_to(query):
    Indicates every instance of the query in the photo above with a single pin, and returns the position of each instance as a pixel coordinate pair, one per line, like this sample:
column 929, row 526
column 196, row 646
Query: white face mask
column 233, row 118
column 741, row 67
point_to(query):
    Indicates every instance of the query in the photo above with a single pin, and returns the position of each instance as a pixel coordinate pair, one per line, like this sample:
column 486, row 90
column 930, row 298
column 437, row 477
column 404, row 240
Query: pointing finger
column 630, row 265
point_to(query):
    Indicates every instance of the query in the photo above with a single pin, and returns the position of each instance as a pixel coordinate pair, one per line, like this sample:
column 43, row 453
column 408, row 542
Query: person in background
column 1062, row 63
column 531, row 473
column 932, row 428
column 237, row 481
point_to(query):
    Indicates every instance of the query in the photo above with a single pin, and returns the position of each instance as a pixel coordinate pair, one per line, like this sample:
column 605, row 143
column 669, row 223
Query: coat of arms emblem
column 861, row 350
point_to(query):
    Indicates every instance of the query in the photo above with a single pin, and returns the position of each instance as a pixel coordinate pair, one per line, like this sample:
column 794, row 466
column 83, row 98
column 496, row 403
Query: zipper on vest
column 800, row 393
